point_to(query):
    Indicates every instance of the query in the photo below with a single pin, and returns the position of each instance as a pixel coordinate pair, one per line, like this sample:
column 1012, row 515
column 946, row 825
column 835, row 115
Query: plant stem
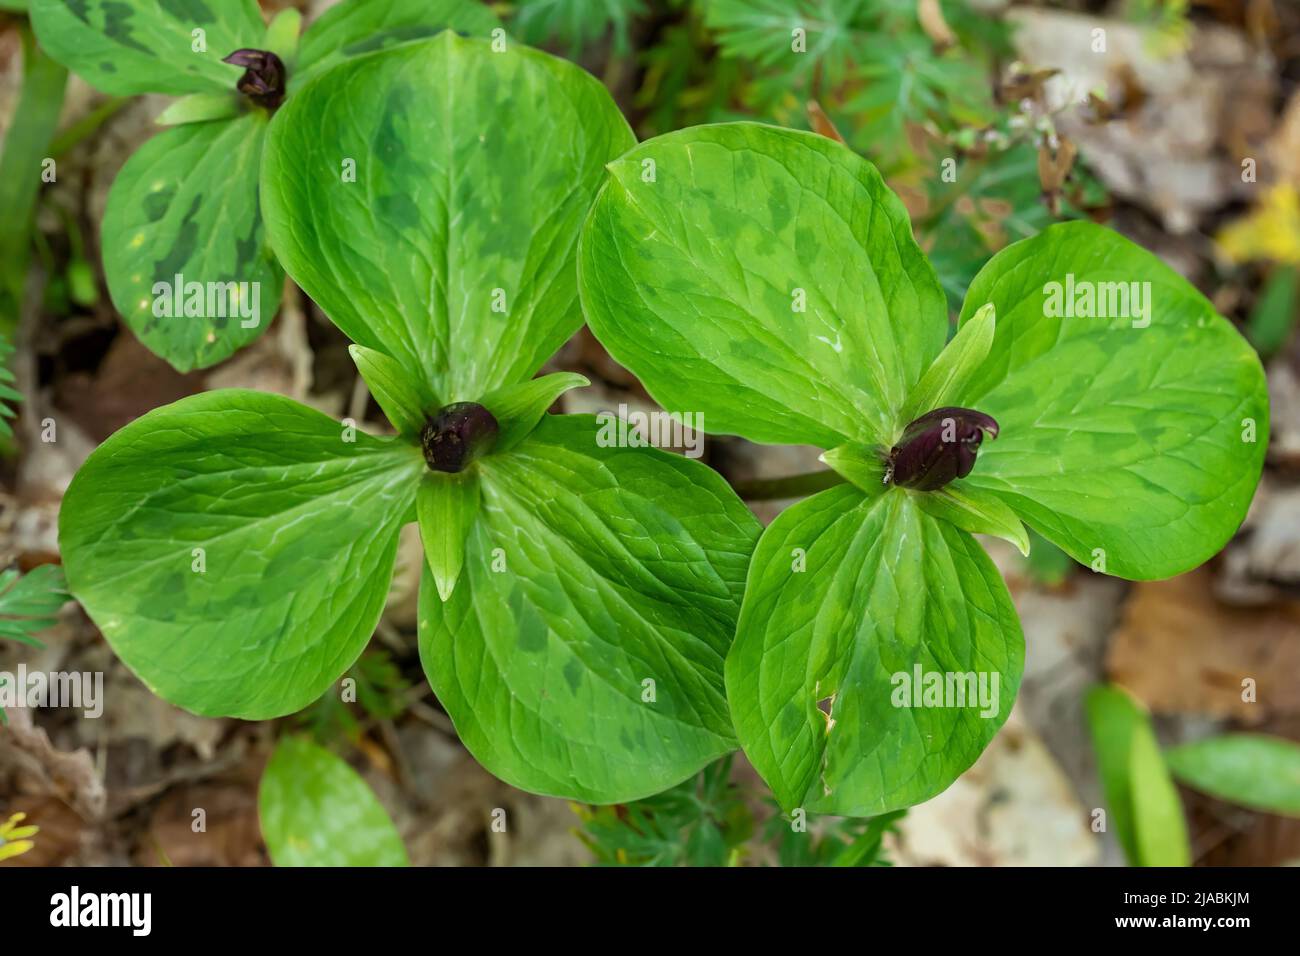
column 793, row 486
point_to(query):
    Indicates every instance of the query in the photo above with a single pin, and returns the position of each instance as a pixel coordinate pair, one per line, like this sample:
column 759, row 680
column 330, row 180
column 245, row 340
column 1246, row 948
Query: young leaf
column 403, row 401
column 1133, row 439
column 976, row 511
column 200, row 108
column 581, row 652
column 1254, row 770
column 1143, row 803
column 453, row 249
column 29, row 604
column 185, row 252
column 518, row 408
column 364, row 26
column 236, row 548
column 317, row 811
column 447, row 506
column 954, row 367
column 855, row 607
column 148, row 46
column 1161, row 830
column 765, row 277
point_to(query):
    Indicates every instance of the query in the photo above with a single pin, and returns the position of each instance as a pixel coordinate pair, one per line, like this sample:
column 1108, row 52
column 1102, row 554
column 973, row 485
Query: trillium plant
column 186, row 255
column 769, row 280
column 578, row 600
column 601, row 622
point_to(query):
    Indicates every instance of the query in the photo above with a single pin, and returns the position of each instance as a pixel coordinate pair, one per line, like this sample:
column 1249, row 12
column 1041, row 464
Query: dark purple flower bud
column 938, row 447
column 263, row 79
column 456, row 435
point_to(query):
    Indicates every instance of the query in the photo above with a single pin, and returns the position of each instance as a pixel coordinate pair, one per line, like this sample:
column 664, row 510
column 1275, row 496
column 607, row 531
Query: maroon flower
column 938, row 447
column 263, row 79
column 456, row 435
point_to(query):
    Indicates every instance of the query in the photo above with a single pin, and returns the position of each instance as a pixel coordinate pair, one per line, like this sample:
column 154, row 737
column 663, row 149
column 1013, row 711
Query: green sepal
column 860, row 464
column 518, row 408
column 282, row 36
column 977, row 511
column 405, row 403
column 955, row 366
column 200, row 108
column 447, row 506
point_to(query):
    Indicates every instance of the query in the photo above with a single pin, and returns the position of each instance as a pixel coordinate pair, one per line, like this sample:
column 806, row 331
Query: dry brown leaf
column 821, row 123
column 930, row 14
column 1183, row 652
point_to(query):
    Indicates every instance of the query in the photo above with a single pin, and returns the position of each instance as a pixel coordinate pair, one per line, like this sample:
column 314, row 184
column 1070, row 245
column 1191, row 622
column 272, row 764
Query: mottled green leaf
column 148, row 46
column 518, row 408
column 581, row 653
column 186, row 205
column 453, row 249
column 405, row 406
column 1137, row 438
column 447, row 507
column 765, row 277
column 1143, row 803
column 235, row 548
column 850, row 599
column 1254, row 770
column 317, row 811
column 355, row 27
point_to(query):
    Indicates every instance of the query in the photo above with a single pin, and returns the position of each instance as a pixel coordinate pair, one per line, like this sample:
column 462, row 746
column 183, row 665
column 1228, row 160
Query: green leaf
column 849, row 596
column 1141, row 797
column 447, row 506
column 148, row 46
column 518, row 408
column 954, row 368
column 976, row 511
column 199, row 108
column 591, row 572
column 1137, row 439
column 235, row 548
column 30, row 604
column 401, row 400
column 473, row 172
column 1254, row 770
column 186, row 205
column 364, row 26
column 317, row 811
column 765, row 277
